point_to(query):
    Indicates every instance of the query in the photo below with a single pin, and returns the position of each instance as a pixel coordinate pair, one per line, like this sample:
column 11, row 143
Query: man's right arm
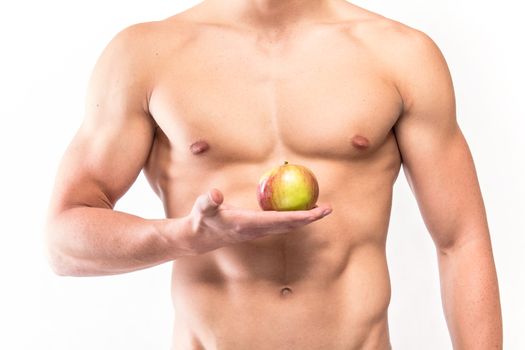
column 85, row 236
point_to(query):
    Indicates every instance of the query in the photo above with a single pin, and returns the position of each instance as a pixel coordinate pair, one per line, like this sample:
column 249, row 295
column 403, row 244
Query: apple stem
column 285, row 162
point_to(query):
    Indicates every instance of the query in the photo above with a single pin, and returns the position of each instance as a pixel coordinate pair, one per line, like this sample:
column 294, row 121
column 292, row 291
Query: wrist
column 176, row 233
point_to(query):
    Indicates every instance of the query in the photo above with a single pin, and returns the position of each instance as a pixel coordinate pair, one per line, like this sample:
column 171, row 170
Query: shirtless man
column 205, row 102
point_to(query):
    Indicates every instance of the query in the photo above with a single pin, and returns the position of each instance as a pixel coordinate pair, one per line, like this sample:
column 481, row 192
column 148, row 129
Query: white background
column 48, row 49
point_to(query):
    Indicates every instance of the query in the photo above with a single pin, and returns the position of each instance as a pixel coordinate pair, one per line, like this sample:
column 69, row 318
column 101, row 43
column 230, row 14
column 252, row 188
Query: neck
column 270, row 13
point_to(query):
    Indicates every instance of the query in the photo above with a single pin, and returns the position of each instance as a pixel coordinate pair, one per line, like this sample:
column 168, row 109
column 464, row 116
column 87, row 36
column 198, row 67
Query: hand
column 215, row 224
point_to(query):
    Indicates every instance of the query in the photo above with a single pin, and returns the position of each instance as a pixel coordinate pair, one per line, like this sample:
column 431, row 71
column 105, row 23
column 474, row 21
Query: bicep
column 110, row 148
column 436, row 158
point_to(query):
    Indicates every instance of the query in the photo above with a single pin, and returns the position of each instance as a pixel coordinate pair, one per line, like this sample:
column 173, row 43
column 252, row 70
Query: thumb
column 209, row 202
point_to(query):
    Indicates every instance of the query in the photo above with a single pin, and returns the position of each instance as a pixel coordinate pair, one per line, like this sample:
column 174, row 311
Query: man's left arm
column 441, row 173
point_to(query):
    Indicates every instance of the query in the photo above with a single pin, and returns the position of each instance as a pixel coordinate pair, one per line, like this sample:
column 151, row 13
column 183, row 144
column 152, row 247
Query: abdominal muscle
column 324, row 286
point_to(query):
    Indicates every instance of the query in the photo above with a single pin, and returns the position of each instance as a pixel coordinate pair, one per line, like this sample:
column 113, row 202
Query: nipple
column 199, row 147
column 360, row 142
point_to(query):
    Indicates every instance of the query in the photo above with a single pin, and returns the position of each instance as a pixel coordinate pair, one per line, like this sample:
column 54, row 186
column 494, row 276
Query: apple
column 287, row 187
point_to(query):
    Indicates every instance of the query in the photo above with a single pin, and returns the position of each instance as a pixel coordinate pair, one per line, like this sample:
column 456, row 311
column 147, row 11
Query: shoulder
column 140, row 39
column 135, row 51
column 389, row 37
column 145, row 40
column 127, row 66
column 404, row 51
column 415, row 64
column 126, row 50
column 131, row 40
column 407, row 56
column 406, row 46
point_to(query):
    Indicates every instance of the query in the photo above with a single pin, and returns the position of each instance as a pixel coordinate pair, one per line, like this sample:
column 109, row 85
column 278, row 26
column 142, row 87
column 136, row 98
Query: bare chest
column 247, row 99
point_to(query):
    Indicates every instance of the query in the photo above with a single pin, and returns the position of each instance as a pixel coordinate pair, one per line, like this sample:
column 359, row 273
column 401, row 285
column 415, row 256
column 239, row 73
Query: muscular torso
column 317, row 95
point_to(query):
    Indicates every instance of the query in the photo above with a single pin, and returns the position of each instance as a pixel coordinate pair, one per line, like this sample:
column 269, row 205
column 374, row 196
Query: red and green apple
column 288, row 187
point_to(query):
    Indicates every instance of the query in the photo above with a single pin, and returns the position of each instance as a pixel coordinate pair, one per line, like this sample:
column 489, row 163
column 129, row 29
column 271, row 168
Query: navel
column 360, row 142
column 286, row 291
column 199, row 147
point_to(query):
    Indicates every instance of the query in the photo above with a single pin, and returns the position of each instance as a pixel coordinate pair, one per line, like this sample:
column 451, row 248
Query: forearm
column 470, row 295
column 86, row 241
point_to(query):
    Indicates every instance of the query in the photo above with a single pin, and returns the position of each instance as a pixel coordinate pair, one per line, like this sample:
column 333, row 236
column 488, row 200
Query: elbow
column 64, row 266
column 60, row 269
column 58, row 264
column 61, row 264
column 448, row 245
column 444, row 248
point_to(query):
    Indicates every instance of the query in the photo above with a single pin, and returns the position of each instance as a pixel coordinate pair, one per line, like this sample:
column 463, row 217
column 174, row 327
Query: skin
column 205, row 102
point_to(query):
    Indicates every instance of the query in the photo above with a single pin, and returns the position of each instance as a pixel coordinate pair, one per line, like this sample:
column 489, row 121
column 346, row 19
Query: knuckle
column 238, row 228
column 230, row 238
column 313, row 217
column 289, row 225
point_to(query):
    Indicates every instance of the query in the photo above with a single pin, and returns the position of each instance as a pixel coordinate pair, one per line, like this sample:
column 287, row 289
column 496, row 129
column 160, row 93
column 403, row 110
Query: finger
column 317, row 212
column 216, row 196
column 209, row 202
column 307, row 216
column 280, row 221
